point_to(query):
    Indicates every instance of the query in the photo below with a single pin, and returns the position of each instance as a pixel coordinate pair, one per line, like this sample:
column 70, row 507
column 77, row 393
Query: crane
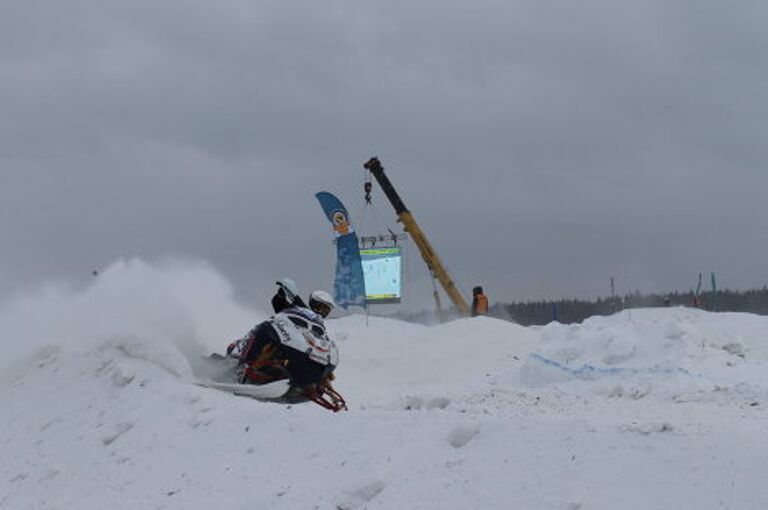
column 428, row 253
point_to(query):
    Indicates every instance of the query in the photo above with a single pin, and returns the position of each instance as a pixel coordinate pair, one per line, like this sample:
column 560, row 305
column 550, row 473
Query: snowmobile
column 287, row 358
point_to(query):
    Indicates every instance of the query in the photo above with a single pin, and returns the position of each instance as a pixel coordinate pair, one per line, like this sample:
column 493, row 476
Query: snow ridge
column 628, row 411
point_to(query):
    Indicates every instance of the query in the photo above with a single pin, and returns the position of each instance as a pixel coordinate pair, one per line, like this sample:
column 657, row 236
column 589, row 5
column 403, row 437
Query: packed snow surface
column 646, row 409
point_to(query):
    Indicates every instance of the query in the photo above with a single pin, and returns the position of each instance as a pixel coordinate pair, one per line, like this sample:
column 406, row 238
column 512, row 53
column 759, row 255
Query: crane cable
column 368, row 206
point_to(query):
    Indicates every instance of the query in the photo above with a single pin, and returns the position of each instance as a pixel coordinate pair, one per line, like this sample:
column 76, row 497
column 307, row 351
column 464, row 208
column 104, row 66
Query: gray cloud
column 544, row 147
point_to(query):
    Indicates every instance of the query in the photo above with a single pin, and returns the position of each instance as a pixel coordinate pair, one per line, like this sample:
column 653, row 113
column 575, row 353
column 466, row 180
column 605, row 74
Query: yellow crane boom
column 428, row 253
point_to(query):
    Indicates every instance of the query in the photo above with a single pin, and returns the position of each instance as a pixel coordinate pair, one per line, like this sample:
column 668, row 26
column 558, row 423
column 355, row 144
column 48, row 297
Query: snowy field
column 647, row 409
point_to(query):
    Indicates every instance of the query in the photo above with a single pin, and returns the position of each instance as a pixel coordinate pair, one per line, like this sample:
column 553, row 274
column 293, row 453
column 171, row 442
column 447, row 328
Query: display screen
column 381, row 271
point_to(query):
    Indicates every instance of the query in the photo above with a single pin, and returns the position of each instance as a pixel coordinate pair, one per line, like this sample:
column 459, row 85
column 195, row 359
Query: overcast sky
column 544, row 146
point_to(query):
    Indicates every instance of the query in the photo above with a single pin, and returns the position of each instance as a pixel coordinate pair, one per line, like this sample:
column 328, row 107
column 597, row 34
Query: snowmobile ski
column 270, row 391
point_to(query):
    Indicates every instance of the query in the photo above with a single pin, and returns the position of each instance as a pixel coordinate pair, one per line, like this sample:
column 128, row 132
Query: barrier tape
column 592, row 369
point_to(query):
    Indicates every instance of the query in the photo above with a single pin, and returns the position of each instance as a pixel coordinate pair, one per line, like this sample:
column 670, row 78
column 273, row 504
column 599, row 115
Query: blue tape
column 592, row 369
column 585, row 369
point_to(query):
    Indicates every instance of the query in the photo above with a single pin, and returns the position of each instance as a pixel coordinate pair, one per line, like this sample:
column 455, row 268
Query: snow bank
column 477, row 413
column 394, row 363
column 667, row 352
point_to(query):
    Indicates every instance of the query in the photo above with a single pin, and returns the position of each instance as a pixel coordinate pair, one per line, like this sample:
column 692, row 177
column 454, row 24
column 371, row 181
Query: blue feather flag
column 349, row 284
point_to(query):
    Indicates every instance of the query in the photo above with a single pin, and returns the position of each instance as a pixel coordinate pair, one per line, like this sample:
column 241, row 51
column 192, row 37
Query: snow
column 646, row 409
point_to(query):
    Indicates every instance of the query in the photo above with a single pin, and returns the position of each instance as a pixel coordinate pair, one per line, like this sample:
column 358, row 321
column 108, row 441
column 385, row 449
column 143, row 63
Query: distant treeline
column 568, row 311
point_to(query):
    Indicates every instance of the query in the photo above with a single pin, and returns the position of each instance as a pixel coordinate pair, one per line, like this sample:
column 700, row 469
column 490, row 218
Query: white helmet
column 321, row 302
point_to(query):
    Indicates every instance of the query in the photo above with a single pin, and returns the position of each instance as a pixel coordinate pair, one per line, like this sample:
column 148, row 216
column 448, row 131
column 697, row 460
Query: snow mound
column 100, row 409
column 654, row 351
column 409, row 366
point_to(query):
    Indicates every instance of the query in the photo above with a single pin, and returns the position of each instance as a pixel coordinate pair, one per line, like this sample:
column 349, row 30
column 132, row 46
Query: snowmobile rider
column 321, row 303
column 287, row 298
column 479, row 302
column 292, row 345
column 252, row 346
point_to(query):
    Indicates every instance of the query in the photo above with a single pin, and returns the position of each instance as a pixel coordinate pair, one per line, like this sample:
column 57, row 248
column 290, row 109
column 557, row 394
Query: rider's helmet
column 321, row 302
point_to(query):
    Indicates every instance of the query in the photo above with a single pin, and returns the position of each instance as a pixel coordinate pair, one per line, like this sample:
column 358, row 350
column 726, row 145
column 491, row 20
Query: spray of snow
column 164, row 309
